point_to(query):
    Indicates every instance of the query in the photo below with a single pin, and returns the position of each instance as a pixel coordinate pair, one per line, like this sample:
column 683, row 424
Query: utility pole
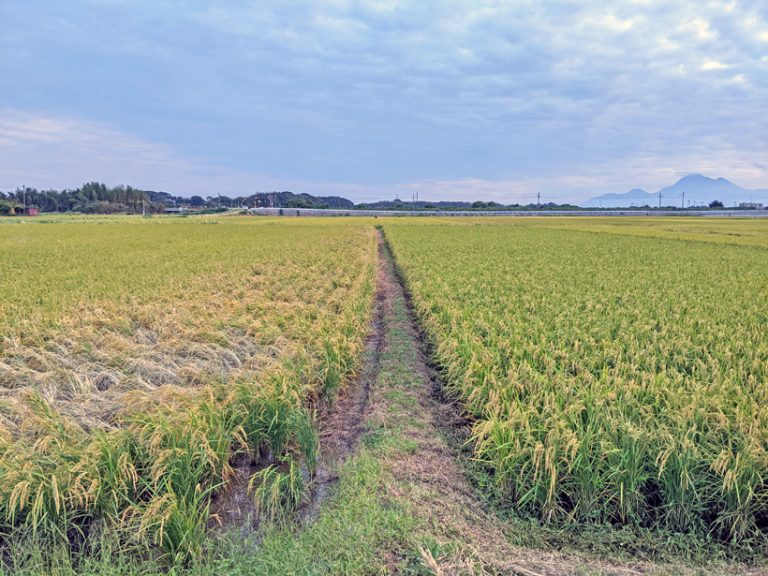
column 24, row 193
column 143, row 208
column 659, row 199
column 538, row 199
column 682, row 204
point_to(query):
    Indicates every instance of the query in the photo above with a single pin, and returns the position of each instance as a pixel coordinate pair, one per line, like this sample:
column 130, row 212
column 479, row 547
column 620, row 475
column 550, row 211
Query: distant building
column 174, row 210
column 755, row 205
column 31, row 211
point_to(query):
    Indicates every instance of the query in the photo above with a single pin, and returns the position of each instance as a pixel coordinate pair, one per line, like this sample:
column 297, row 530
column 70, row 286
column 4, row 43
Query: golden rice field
column 616, row 370
column 137, row 357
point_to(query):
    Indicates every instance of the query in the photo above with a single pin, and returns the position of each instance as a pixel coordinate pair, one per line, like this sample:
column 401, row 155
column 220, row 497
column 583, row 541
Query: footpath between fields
column 401, row 500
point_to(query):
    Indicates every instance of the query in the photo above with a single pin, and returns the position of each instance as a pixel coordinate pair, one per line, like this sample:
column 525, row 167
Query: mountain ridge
column 690, row 190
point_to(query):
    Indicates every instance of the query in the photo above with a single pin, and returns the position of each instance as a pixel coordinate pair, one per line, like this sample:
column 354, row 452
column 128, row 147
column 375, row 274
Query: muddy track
column 342, row 425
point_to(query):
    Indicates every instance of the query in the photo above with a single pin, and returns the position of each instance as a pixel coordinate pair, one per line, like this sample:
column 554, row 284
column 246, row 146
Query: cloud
column 610, row 22
column 46, row 151
column 372, row 97
column 58, row 152
column 50, row 151
column 711, row 64
column 699, row 28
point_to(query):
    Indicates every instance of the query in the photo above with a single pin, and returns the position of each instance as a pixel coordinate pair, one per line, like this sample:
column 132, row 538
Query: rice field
column 139, row 358
column 615, row 370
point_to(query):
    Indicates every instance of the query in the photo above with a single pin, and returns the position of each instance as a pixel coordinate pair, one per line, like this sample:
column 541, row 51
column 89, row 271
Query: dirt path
column 344, row 422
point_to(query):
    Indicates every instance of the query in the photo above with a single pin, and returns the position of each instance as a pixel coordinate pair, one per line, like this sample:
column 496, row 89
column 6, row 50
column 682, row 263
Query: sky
column 490, row 100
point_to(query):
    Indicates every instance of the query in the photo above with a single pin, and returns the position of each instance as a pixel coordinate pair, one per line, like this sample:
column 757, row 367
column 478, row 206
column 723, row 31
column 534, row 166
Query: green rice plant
column 271, row 424
column 278, row 489
column 615, row 370
column 175, row 524
column 743, row 492
column 332, row 370
column 108, row 470
column 629, row 473
column 305, row 435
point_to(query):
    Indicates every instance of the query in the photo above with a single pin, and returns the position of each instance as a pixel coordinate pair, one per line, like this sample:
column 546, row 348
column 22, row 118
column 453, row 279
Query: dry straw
column 140, row 358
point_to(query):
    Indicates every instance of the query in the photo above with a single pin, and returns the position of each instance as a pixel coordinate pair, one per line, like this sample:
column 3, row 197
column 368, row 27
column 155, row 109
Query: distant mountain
column 699, row 190
column 635, row 197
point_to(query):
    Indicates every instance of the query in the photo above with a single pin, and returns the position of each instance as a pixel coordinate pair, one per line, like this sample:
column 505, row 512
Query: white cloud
column 56, row 152
column 739, row 80
column 699, row 28
column 611, row 23
column 712, row 64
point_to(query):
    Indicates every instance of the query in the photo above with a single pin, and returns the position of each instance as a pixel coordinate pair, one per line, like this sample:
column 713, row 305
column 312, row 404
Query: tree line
column 98, row 198
column 91, row 198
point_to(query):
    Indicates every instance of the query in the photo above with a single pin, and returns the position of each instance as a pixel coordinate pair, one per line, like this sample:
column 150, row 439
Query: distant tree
column 715, row 204
column 97, row 197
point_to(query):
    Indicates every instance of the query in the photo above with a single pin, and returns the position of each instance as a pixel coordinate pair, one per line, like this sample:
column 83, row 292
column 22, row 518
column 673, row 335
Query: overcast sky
column 466, row 100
